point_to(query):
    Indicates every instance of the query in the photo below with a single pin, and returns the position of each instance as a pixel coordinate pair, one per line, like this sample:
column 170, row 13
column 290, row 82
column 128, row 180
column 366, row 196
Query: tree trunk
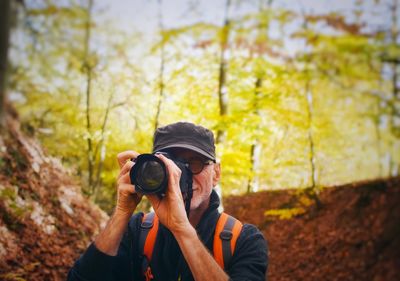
column 313, row 190
column 378, row 138
column 223, row 65
column 309, row 97
column 87, row 67
column 394, row 32
column 4, row 43
column 393, row 166
column 161, row 84
column 101, row 146
column 222, row 89
column 255, row 152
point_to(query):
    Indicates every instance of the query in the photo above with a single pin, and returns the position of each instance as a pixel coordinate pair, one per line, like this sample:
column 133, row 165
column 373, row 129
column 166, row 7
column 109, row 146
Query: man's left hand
column 171, row 209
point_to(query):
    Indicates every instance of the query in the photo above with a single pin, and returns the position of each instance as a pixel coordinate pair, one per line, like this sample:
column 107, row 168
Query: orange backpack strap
column 147, row 240
column 226, row 234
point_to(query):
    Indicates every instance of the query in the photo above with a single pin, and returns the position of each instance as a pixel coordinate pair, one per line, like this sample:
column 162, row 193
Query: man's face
column 203, row 182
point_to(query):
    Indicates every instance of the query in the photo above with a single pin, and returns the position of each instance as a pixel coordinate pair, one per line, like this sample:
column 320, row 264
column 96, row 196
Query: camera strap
column 147, row 239
column 189, row 196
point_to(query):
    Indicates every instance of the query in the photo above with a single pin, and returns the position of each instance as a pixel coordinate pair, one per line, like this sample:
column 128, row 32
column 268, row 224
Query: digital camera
column 150, row 175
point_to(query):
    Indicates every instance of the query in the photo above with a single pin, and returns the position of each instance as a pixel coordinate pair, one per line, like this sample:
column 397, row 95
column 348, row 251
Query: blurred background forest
column 300, row 94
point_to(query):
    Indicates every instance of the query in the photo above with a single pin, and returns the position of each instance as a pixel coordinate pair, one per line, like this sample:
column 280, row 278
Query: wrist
column 109, row 239
column 123, row 212
column 184, row 231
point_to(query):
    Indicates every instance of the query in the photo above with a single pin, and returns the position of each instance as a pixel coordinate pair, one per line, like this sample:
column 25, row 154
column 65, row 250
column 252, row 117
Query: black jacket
column 249, row 261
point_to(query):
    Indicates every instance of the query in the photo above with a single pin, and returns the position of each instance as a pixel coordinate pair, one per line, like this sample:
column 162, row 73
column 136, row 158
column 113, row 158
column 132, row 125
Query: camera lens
column 151, row 175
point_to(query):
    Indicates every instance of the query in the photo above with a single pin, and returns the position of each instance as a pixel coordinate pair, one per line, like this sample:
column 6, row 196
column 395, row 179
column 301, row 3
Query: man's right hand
column 109, row 239
column 127, row 199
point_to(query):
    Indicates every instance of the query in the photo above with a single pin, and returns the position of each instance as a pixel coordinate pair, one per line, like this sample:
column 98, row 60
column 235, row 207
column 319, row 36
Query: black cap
column 185, row 135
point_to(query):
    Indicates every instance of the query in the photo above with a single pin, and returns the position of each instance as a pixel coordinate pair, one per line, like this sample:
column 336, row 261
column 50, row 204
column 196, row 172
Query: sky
column 142, row 14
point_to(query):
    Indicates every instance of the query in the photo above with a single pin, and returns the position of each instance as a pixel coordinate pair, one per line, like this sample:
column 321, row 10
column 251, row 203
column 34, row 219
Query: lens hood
column 149, row 175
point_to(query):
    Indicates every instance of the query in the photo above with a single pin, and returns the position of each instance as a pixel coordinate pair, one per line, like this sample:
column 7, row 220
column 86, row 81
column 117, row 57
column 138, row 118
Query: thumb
column 154, row 200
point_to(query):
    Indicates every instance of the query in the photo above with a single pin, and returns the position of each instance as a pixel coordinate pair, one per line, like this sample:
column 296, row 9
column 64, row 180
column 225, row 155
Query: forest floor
column 353, row 235
column 45, row 221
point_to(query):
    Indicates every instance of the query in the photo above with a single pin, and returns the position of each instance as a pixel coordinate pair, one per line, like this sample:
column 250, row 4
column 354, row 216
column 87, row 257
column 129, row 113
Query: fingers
column 127, row 187
column 127, row 197
column 126, row 168
column 154, row 200
column 174, row 175
column 172, row 168
column 124, row 156
column 124, row 179
column 125, row 165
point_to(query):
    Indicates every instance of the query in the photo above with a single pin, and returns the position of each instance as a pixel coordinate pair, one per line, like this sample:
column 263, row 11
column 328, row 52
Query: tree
column 392, row 57
column 53, row 73
column 87, row 67
column 308, row 94
column 345, row 63
column 4, row 34
column 222, row 87
column 161, row 84
column 256, row 147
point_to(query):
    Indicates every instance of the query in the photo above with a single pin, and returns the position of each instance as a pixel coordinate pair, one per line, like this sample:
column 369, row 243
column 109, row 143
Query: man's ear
column 217, row 173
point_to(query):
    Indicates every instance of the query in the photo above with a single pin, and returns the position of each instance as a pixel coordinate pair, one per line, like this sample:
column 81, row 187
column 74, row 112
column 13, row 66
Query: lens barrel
column 149, row 174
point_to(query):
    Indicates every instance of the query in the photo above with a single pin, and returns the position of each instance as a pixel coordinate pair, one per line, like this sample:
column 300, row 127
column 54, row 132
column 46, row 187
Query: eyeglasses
column 197, row 165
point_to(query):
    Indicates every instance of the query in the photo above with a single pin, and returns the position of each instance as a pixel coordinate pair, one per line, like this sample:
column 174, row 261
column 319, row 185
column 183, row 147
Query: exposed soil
column 45, row 222
column 354, row 235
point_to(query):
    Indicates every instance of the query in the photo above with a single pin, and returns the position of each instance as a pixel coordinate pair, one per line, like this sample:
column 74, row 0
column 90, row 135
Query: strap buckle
column 226, row 235
column 146, row 224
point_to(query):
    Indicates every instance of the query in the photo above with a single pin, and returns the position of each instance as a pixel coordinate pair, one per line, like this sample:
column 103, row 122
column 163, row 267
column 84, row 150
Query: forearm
column 109, row 239
column 201, row 263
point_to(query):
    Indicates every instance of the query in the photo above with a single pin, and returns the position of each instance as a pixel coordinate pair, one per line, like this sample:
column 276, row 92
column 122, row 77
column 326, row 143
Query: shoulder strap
column 147, row 240
column 226, row 234
column 148, row 234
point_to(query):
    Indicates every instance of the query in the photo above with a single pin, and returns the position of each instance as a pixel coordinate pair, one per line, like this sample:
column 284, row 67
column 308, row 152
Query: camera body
column 150, row 175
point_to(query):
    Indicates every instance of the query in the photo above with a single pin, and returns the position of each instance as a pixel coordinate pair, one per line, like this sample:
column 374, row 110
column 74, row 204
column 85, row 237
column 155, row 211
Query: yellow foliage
column 320, row 105
column 11, row 276
column 285, row 214
column 305, row 201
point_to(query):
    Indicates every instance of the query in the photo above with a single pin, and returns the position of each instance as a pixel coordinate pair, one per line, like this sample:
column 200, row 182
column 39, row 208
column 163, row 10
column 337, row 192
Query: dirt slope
column 355, row 235
column 44, row 220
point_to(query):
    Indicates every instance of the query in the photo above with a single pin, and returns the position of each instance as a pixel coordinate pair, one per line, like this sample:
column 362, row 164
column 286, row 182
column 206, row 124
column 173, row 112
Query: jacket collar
column 206, row 226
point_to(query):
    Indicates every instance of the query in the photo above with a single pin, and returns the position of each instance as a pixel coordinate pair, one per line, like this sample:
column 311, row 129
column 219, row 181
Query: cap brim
column 187, row 146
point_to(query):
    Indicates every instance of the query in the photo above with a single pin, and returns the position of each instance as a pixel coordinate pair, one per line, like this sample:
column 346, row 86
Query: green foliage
column 9, row 196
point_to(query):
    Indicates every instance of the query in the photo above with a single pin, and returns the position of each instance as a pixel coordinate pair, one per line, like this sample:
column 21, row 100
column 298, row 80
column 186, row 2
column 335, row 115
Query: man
column 183, row 247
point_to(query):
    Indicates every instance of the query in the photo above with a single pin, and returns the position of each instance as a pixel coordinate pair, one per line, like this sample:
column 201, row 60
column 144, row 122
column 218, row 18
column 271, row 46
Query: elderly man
column 185, row 244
